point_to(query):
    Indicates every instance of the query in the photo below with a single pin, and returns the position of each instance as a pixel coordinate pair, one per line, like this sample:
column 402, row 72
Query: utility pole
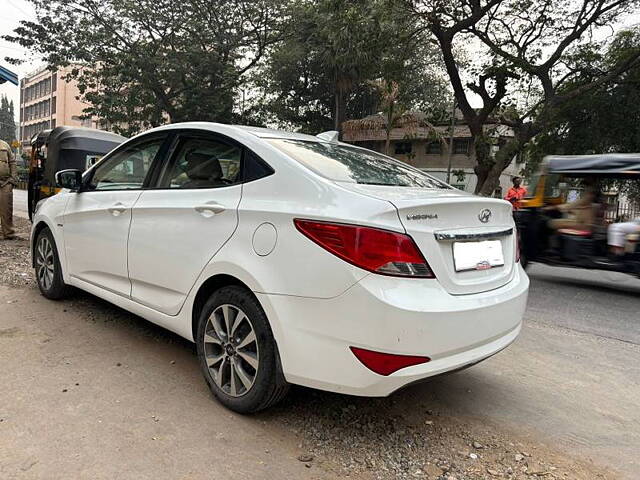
column 450, row 151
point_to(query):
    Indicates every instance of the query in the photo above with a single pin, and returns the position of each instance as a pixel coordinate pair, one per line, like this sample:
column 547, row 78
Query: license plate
column 477, row 255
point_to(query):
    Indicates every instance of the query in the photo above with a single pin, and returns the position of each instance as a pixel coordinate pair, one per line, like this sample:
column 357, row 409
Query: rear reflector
column 386, row 363
column 373, row 249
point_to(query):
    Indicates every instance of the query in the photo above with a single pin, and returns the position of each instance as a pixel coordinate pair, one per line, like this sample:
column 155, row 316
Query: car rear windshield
column 342, row 163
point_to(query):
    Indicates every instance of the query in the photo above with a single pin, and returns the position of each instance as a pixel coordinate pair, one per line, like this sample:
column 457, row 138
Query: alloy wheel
column 231, row 350
column 45, row 263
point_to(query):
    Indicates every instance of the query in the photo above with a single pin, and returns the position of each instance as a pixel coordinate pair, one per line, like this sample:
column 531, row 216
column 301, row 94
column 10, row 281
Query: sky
column 15, row 10
column 12, row 12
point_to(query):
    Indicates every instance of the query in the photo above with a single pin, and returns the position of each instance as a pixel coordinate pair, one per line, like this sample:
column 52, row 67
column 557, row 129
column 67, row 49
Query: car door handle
column 208, row 208
column 117, row 209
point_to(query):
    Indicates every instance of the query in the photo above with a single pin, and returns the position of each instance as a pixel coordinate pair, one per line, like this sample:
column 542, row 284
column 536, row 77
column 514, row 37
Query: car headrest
column 202, row 166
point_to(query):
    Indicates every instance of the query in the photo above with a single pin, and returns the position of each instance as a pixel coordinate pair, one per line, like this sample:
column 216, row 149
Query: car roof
column 259, row 132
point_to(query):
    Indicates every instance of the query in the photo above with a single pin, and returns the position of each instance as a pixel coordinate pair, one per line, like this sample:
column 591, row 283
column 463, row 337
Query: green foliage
column 604, row 119
column 7, row 120
column 527, row 56
column 323, row 72
column 153, row 61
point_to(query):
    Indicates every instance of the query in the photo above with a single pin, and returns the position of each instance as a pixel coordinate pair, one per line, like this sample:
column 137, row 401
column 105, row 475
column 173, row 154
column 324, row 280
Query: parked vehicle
column 581, row 248
column 287, row 258
column 64, row 148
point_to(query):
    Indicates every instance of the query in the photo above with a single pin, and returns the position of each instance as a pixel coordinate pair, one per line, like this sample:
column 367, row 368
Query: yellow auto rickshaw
column 60, row 149
column 584, row 247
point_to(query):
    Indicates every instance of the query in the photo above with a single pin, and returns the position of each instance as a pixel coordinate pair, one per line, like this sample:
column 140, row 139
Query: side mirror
column 71, row 179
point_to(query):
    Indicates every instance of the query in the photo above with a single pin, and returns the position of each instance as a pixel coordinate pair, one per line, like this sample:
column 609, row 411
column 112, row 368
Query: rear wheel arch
column 205, row 291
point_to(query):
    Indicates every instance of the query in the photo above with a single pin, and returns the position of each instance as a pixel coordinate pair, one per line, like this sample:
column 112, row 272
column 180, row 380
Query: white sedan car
column 287, row 259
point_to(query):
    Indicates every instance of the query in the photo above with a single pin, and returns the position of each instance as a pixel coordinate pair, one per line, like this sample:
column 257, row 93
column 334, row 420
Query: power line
column 17, row 7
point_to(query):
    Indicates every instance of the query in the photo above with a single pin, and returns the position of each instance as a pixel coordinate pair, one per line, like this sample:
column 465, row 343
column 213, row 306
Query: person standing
column 516, row 193
column 8, row 179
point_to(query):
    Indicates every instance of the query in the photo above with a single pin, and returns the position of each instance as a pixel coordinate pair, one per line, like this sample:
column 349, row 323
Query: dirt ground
column 91, row 391
column 15, row 267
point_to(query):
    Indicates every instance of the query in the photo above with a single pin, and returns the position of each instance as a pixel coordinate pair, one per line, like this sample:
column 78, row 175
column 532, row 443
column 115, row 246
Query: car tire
column 242, row 369
column 47, row 266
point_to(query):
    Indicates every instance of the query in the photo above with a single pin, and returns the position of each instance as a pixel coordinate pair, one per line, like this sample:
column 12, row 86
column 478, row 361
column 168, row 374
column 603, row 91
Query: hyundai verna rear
column 287, row 259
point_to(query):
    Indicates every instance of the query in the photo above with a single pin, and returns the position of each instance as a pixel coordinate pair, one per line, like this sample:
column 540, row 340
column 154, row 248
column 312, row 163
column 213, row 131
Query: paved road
column 573, row 377
column 20, row 203
column 98, row 378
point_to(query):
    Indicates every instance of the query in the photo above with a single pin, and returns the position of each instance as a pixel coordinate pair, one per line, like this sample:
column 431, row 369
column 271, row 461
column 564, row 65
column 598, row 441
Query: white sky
column 12, row 12
column 15, row 10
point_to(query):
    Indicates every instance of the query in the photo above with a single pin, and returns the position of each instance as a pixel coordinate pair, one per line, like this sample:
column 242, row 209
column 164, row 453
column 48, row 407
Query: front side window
column 127, row 169
column 204, row 163
column 342, row 163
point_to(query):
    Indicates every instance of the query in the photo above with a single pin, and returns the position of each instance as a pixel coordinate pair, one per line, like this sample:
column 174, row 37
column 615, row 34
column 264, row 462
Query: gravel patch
column 15, row 260
column 375, row 438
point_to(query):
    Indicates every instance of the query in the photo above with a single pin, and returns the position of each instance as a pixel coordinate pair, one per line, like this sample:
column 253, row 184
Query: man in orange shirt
column 516, row 193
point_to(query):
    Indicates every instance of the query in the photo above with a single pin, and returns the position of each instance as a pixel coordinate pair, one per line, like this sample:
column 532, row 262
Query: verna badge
column 485, row 215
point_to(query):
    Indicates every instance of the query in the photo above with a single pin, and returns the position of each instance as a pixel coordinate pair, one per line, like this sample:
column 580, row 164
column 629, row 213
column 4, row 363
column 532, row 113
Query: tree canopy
column 7, row 120
column 334, row 52
column 153, row 61
column 602, row 120
column 524, row 65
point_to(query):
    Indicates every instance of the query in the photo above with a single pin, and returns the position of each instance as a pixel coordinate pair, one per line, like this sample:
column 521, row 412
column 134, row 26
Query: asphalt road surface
column 573, row 377
column 86, row 390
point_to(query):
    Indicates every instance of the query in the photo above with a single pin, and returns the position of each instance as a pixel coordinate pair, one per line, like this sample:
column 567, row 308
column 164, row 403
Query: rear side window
column 204, row 163
column 343, row 163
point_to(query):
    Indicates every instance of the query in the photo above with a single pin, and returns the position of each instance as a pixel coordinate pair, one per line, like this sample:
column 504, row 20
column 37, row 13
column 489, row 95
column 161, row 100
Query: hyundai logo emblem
column 485, row 215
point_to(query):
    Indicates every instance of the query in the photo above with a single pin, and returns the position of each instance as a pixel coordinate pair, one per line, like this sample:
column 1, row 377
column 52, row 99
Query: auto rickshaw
column 60, row 149
column 581, row 248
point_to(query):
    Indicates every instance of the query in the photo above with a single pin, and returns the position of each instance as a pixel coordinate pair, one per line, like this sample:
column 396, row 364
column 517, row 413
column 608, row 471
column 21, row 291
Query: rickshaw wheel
column 47, row 264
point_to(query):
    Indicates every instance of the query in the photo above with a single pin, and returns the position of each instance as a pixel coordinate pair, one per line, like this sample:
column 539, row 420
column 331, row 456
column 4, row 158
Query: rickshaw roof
column 40, row 138
column 69, row 147
column 605, row 164
column 80, row 138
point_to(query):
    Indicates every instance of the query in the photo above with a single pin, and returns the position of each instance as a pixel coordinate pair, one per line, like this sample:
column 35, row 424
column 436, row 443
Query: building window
column 54, row 82
column 402, row 148
column 53, row 105
column 434, row 148
column 461, row 146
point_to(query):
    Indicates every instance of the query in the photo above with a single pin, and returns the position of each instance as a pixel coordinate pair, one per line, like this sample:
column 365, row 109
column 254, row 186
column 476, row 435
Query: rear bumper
column 402, row 316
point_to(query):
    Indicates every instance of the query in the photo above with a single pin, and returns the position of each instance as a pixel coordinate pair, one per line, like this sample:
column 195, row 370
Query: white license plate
column 477, row 255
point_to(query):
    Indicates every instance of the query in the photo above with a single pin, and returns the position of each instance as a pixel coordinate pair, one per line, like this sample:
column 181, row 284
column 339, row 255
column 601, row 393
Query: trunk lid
column 439, row 219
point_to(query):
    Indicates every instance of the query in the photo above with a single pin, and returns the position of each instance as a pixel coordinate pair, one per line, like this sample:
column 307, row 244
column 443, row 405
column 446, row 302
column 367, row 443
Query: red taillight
column 386, row 363
column 517, row 246
column 376, row 250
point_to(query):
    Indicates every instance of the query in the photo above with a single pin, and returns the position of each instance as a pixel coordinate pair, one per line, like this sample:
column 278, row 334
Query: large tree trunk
column 502, row 160
column 484, row 162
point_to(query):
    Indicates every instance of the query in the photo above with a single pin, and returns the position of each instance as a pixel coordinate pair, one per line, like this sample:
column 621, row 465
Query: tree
column 323, row 72
column 7, row 120
column 602, row 120
column 524, row 73
column 140, row 63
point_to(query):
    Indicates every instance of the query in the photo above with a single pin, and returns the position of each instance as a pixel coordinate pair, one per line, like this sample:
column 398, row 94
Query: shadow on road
column 592, row 280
